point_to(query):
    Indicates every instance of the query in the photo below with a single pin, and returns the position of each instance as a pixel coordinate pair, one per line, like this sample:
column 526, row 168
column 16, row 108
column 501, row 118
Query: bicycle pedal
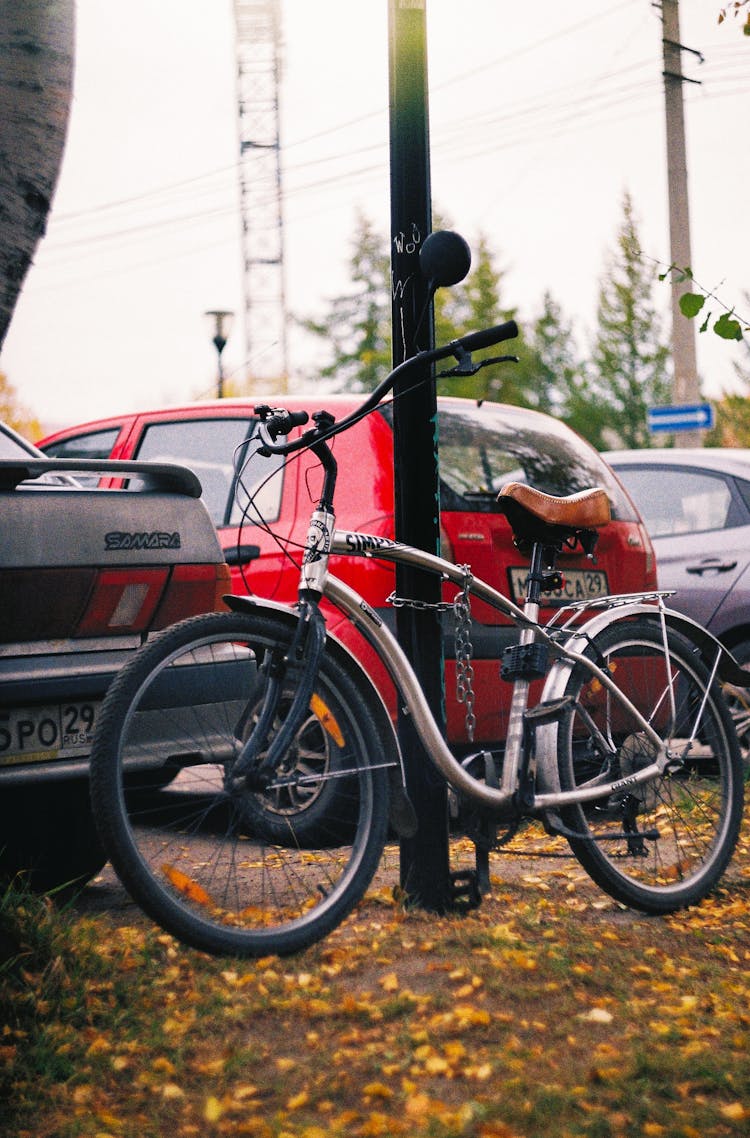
column 547, row 712
column 465, row 893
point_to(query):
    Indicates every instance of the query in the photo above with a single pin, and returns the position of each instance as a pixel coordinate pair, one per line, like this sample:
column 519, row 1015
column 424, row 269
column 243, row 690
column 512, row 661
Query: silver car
column 696, row 506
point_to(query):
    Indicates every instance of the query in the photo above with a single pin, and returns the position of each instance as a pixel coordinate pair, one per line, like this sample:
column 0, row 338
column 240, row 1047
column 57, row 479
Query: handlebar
column 485, row 338
column 277, row 421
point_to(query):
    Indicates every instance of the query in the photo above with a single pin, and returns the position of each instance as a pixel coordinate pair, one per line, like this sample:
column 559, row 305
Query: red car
column 262, row 514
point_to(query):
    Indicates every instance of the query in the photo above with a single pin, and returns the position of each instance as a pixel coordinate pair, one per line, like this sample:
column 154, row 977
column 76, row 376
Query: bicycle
column 629, row 753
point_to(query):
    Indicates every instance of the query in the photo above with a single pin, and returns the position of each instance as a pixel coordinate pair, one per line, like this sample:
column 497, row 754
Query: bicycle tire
column 190, row 853
column 692, row 814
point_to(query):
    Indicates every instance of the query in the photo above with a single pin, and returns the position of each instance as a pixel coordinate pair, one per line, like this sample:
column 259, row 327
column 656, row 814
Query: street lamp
column 221, row 326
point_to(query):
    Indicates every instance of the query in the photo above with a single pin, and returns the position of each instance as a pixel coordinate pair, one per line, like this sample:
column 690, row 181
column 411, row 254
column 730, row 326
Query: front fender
column 402, row 814
column 727, row 669
column 338, row 651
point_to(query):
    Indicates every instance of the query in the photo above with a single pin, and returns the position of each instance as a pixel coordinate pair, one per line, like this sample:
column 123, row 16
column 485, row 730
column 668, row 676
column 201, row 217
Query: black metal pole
column 425, row 872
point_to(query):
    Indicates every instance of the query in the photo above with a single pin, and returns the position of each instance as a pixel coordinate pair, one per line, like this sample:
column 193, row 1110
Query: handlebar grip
column 282, row 421
column 488, row 336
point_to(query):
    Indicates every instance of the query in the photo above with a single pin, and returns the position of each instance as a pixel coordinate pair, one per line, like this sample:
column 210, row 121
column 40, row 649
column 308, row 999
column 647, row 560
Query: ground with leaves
column 549, row 1011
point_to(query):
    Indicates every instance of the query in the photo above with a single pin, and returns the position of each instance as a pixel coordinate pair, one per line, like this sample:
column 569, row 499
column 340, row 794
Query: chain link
column 461, row 607
column 420, row 606
column 464, row 653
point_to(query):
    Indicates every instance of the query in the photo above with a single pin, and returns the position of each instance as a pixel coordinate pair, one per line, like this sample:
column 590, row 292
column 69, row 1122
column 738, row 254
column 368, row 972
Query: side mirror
column 444, row 259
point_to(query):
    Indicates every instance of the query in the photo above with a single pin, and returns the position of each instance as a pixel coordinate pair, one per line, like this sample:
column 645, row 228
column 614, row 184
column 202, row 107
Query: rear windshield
column 481, row 448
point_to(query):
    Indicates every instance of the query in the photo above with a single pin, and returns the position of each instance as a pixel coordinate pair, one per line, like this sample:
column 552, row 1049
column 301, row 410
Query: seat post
column 543, row 562
column 543, row 557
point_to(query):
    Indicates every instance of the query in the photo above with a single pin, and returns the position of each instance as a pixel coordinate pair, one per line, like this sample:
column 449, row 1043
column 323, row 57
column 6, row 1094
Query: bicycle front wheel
column 228, row 869
column 661, row 845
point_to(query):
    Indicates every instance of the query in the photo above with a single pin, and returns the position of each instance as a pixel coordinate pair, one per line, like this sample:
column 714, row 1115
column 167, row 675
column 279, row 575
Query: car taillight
column 43, row 604
column 193, row 589
column 123, row 600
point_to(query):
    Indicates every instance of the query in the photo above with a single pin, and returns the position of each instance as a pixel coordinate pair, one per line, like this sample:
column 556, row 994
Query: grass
column 549, row 1011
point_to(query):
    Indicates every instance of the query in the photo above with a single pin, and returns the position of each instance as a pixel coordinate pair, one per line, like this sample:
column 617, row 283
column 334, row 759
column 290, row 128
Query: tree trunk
column 36, row 80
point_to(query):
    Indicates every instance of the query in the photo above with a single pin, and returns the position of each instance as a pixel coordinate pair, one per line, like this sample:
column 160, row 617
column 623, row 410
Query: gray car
column 696, row 506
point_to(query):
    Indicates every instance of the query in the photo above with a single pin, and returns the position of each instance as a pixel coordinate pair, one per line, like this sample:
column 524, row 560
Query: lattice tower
column 258, row 31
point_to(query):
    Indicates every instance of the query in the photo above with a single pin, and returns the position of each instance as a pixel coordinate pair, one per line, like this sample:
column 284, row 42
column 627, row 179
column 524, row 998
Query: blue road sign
column 685, row 417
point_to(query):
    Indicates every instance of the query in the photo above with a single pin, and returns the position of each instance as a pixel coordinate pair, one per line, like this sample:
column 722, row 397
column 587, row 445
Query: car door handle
column 238, row 555
column 711, row 566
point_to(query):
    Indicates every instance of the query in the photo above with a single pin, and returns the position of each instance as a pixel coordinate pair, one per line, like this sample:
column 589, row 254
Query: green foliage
column 604, row 398
column 358, row 324
column 357, row 327
column 732, row 412
column 564, row 387
column 692, row 304
column 477, row 303
column 731, row 423
column 44, row 983
column 629, row 365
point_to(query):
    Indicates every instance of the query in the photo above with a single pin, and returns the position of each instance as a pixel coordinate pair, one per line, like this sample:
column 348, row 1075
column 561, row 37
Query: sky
column 542, row 116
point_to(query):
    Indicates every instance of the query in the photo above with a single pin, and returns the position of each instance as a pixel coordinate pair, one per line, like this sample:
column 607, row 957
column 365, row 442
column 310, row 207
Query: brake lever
column 498, row 360
column 466, row 365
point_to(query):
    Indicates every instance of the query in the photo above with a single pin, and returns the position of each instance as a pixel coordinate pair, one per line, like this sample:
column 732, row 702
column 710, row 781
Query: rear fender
column 727, row 670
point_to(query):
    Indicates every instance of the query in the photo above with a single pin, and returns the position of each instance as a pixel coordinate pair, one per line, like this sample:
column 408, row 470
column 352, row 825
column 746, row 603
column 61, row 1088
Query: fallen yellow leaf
column 596, row 1015
column 185, row 885
column 212, row 1109
column 377, row 1090
column 298, row 1100
column 734, row 1111
column 172, row 1090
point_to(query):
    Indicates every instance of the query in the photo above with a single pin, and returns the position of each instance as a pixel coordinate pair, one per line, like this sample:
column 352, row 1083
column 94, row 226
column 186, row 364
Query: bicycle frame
column 566, row 652
column 566, row 643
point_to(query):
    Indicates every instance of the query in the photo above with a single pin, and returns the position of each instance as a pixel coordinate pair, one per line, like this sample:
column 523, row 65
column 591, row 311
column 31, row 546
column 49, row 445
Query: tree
column 630, row 358
column 731, row 423
column 358, row 324
column 36, row 78
column 474, row 304
column 565, row 388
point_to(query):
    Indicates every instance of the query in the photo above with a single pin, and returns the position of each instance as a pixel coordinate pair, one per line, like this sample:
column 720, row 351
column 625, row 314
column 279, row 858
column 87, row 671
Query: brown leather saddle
column 538, row 517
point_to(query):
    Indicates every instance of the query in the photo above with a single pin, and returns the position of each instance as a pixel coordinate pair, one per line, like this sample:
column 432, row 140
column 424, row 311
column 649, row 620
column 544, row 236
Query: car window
column 14, row 449
column 215, row 449
column 484, row 447
column 679, row 501
column 744, row 489
column 97, row 444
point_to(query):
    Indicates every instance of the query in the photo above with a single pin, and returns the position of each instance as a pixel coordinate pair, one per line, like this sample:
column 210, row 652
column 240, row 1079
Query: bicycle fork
column 302, row 656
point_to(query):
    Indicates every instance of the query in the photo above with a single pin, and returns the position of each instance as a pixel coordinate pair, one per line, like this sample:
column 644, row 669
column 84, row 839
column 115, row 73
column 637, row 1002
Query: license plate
column 38, row 734
column 578, row 585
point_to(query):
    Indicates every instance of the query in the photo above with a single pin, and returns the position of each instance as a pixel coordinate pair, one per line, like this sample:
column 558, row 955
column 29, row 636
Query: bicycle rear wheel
column 227, row 869
column 660, row 845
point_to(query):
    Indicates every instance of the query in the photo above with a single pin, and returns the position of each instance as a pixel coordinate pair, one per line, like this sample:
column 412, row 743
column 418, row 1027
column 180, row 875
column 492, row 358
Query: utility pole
column 685, row 388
